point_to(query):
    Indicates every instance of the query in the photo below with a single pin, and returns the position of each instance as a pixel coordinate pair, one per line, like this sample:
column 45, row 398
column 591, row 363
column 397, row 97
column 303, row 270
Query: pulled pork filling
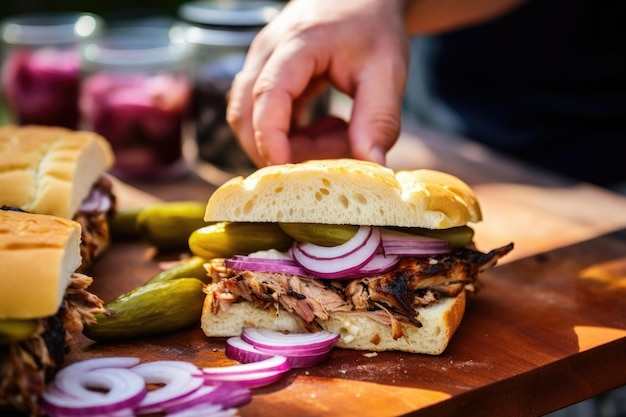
column 93, row 216
column 25, row 367
column 389, row 298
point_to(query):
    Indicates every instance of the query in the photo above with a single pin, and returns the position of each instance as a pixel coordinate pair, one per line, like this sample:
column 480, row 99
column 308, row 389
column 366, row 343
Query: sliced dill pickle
column 224, row 239
column 320, row 234
column 456, row 236
column 168, row 225
column 151, row 309
column 190, row 268
column 123, row 224
column 15, row 330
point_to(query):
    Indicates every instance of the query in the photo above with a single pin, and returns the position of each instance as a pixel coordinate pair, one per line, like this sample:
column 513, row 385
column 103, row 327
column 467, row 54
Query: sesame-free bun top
column 38, row 254
column 50, row 170
column 345, row 191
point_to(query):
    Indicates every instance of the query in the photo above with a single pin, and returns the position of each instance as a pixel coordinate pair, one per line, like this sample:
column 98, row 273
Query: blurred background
column 102, row 7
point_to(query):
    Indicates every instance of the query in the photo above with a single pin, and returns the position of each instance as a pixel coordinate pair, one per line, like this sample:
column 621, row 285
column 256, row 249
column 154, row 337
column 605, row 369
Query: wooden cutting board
column 548, row 329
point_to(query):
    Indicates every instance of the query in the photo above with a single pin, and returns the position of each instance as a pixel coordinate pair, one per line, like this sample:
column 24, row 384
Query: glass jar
column 135, row 93
column 40, row 72
column 221, row 33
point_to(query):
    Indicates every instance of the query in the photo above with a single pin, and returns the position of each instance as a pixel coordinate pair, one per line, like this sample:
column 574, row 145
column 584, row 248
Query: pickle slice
column 225, row 239
column 320, row 234
column 15, row 330
column 456, row 236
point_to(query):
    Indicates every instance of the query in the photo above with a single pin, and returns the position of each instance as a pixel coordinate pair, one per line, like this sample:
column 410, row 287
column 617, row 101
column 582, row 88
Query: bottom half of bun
column 439, row 322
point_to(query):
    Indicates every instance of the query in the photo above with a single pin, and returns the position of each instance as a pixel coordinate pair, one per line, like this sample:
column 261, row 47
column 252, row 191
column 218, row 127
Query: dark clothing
column 545, row 83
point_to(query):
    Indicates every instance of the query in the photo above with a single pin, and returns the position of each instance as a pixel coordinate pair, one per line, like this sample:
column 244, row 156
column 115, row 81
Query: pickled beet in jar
column 41, row 66
column 136, row 92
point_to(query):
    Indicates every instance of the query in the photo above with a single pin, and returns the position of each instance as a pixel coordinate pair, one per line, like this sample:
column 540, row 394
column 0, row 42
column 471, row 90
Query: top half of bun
column 346, row 191
column 38, row 254
column 50, row 170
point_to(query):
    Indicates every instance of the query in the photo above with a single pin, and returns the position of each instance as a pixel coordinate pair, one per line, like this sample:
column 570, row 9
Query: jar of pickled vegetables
column 40, row 66
column 221, row 33
column 135, row 92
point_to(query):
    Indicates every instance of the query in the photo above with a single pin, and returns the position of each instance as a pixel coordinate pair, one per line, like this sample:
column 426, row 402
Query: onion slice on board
column 123, row 388
column 288, row 343
column 178, row 383
column 244, row 352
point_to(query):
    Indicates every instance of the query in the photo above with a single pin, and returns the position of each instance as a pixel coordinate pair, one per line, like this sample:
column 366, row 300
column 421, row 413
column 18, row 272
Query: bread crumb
column 370, row 354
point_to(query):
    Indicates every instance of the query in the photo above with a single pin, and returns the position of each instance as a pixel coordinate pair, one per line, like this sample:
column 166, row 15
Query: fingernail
column 377, row 154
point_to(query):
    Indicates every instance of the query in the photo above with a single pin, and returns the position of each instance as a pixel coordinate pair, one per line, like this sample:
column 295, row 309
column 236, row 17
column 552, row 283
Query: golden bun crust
column 346, row 191
column 50, row 170
column 439, row 322
column 38, row 254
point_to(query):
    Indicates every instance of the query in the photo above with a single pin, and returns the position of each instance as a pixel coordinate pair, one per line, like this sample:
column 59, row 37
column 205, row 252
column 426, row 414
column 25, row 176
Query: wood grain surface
column 547, row 329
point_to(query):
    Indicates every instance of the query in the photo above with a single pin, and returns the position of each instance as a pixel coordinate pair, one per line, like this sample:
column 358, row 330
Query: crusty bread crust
column 439, row 322
column 345, row 191
column 38, row 254
column 50, row 170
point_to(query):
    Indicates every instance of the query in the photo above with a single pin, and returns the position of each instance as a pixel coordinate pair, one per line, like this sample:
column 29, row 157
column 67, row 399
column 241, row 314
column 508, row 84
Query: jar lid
column 49, row 28
column 128, row 47
column 230, row 14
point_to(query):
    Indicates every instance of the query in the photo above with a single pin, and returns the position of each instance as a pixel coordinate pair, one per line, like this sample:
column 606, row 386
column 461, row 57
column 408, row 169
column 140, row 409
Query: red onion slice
column 178, row 382
column 208, row 410
column 244, row 352
column 67, row 380
column 274, row 363
column 241, row 351
column 279, row 341
column 331, row 252
column 247, row 263
column 249, row 379
column 344, row 263
column 224, row 394
column 123, row 389
column 379, row 264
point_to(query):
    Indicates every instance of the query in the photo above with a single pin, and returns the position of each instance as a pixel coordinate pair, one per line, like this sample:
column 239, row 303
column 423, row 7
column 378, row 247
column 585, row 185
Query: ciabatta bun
column 439, row 322
column 38, row 254
column 345, row 191
column 50, row 170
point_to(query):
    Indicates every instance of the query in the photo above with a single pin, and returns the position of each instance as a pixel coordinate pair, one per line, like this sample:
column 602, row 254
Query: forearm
column 436, row 16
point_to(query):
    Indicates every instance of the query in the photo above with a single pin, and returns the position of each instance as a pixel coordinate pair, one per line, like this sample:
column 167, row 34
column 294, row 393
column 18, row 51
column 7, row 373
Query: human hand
column 360, row 48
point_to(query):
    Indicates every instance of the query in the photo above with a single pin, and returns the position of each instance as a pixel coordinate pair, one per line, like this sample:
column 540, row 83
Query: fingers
column 274, row 95
column 376, row 114
column 310, row 46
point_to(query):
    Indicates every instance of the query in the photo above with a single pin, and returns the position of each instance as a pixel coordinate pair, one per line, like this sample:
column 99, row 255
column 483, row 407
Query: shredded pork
column 25, row 367
column 388, row 298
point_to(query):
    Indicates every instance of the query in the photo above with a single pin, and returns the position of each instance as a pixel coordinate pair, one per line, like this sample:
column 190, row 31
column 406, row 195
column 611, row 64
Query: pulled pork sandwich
column 383, row 258
column 59, row 172
column 43, row 300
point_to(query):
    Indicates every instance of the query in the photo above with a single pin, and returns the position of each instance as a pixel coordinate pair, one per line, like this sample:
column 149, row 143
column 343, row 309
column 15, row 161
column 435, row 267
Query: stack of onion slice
column 341, row 261
column 117, row 386
column 372, row 250
column 301, row 350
